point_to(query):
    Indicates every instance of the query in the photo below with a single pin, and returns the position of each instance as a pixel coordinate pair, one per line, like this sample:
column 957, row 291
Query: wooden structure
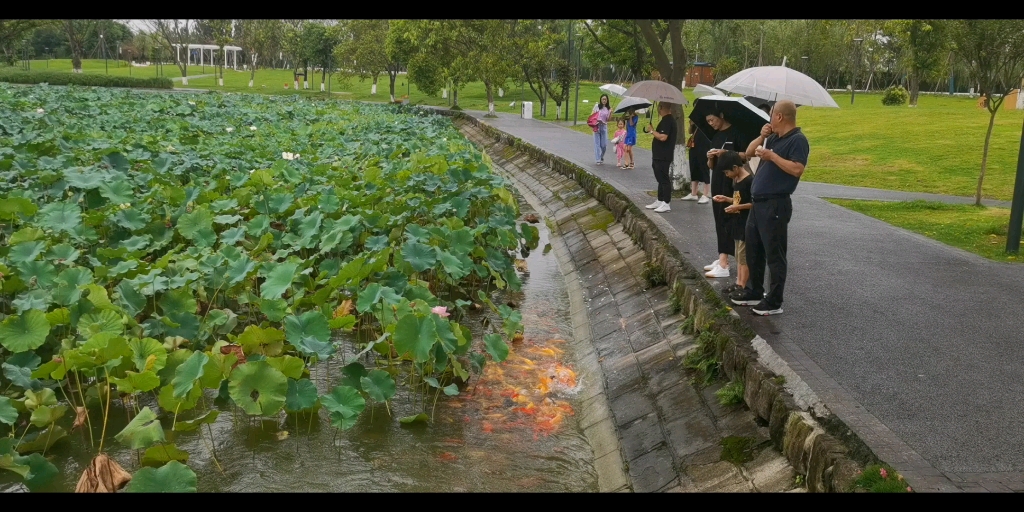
column 700, row 73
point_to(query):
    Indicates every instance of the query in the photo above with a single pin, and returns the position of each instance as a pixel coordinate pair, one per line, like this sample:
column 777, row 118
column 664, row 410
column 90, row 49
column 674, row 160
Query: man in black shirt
column 783, row 150
column 662, row 152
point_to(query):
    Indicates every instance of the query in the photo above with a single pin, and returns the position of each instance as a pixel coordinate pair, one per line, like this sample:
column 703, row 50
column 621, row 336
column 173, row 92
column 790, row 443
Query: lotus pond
column 249, row 293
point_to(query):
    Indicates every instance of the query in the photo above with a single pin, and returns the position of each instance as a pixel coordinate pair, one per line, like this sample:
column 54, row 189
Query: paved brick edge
column 817, row 443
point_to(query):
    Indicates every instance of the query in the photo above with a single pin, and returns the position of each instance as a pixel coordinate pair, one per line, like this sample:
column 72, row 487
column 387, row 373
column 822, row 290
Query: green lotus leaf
column 418, row 418
column 239, row 269
column 256, row 340
column 461, row 241
column 329, row 203
column 23, row 235
column 531, row 234
column 171, row 477
column 61, row 316
column 123, row 267
column 302, row 395
column 38, row 273
column 8, row 414
column 26, row 331
column 69, row 285
column 290, row 366
column 33, row 299
column 26, row 251
column 130, row 219
column 373, row 293
column 353, row 375
column 190, row 224
column 345, row 404
column 156, row 456
column 173, row 358
column 376, row 243
column 336, row 239
column 103, row 321
column 379, row 385
column 142, row 432
column 21, row 376
column 452, row 265
column 221, row 205
column 258, row 388
column 45, row 415
column 169, row 402
column 496, row 347
column 279, row 203
column 187, row 426
column 116, row 161
column 186, row 375
column 258, row 225
column 60, row 216
column 415, row 336
column 63, row 253
column 137, row 243
column 178, row 301
column 420, row 256
column 232, row 236
column 84, row 179
column 226, row 219
column 279, row 279
column 38, row 472
column 137, row 382
column 346, row 322
column 129, row 299
column 10, row 206
column 117, row 192
column 310, row 334
column 43, row 397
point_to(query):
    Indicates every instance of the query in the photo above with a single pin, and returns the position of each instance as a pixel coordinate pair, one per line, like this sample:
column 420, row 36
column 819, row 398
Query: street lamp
column 119, row 54
column 804, row 59
column 856, row 66
column 47, row 57
column 104, row 45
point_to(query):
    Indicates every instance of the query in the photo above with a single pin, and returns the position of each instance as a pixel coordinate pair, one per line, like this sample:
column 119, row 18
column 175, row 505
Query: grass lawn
column 96, row 66
column 981, row 230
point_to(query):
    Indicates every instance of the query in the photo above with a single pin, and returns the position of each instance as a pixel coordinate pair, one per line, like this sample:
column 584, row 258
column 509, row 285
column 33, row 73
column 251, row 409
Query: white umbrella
column 701, row 90
column 614, row 90
column 774, row 83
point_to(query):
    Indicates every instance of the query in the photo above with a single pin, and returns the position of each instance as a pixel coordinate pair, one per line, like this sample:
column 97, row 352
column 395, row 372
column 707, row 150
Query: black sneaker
column 746, row 297
column 765, row 309
column 732, row 288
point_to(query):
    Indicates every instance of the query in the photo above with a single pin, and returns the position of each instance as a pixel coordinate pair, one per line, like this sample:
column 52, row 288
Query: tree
column 540, row 53
column 441, row 48
column 620, row 43
column 494, row 43
column 991, row 49
column 928, row 46
column 220, row 31
column 76, row 32
column 672, row 71
column 365, row 48
column 259, row 39
column 12, row 33
column 176, row 35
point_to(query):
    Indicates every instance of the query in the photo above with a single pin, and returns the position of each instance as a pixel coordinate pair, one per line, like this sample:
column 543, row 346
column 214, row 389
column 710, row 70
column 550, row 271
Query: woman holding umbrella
column 603, row 109
column 726, row 137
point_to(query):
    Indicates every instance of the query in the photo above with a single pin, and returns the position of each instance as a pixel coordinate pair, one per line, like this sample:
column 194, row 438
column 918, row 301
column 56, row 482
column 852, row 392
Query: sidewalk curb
column 814, row 441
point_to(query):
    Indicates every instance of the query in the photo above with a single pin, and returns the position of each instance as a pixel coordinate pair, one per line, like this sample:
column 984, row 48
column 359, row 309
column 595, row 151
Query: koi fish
column 446, row 456
column 487, row 427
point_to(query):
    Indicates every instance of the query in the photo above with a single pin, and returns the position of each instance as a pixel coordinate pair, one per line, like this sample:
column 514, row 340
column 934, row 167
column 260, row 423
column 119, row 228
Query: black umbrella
column 739, row 112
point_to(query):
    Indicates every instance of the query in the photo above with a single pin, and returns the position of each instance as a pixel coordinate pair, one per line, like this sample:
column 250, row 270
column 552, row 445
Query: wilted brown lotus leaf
column 237, row 351
column 344, row 309
column 81, row 416
column 531, row 218
column 103, row 475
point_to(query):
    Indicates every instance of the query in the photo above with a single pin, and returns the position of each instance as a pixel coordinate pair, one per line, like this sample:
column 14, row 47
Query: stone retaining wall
column 809, row 439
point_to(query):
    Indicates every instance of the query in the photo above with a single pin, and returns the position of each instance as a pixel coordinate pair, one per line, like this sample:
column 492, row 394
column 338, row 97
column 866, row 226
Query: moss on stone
column 738, row 450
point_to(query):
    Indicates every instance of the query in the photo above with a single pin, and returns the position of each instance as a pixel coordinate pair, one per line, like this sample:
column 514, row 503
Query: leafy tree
column 259, row 39
column 540, row 53
column 991, row 51
column 926, row 45
column 620, row 43
column 76, row 31
column 220, row 31
column 176, row 33
column 365, row 49
column 443, row 47
column 12, row 33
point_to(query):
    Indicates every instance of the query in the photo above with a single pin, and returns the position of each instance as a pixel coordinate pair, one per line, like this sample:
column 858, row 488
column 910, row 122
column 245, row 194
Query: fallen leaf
column 343, row 309
column 282, row 435
column 531, row 218
column 81, row 416
column 103, row 475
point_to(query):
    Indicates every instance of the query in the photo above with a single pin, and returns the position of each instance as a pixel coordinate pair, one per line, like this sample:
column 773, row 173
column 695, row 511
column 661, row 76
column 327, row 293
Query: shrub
column 17, row 76
column 895, row 96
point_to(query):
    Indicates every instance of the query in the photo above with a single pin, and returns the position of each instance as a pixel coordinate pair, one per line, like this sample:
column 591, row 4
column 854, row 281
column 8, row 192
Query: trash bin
column 527, row 110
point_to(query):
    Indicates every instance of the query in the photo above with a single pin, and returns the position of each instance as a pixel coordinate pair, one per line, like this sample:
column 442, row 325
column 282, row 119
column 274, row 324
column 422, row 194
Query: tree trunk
column 373, row 88
column 252, row 69
column 391, row 80
column 984, row 154
column 489, row 87
column 76, row 63
column 455, row 97
column 914, row 88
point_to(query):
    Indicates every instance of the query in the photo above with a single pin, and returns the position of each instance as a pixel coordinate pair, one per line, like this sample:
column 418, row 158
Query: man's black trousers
column 766, row 233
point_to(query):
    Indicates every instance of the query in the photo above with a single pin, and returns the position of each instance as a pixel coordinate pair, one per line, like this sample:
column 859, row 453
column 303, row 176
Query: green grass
column 881, row 479
column 980, row 230
column 96, row 66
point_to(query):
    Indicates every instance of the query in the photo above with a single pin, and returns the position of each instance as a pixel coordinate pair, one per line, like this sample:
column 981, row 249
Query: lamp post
column 118, row 54
column 103, row 44
column 804, row 59
column 856, row 65
column 47, row 57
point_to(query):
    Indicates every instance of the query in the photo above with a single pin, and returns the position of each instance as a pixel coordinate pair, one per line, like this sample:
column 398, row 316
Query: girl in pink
column 620, row 141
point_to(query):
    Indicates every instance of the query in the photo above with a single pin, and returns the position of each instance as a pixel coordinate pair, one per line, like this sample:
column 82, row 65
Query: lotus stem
column 106, row 414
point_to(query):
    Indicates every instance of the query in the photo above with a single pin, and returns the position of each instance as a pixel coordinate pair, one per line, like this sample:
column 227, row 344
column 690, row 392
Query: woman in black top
column 726, row 137
column 699, row 173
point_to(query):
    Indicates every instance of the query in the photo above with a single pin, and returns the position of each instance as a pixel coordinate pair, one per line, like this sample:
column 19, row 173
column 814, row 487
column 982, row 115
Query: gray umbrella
column 631, row 103
column 656, row 90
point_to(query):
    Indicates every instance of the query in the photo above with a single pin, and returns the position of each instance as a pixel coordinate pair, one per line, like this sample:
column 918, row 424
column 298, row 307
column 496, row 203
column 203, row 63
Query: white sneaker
column 712, row 266
column 656, row 204
column 663, row 208
column 690, row 197
column 703, row 200
column 718, row 272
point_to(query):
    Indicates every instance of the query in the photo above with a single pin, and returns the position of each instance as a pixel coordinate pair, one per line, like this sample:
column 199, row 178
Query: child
column 631, row 121
column 620, row 141
column 732, row 165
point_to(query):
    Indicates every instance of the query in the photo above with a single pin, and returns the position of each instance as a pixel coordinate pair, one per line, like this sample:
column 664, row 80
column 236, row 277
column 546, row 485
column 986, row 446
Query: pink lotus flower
column 884, row 473
column 909, row 489
column 440, row 311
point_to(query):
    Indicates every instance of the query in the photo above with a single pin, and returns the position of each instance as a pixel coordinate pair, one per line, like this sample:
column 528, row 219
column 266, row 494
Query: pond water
column 512, row 429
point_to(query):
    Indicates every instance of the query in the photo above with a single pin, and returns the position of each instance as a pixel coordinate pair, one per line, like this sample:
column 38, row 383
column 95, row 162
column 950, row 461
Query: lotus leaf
column 353, row 375
column 137, row 382
column 290, row 366
column 26, row 251
column 302, row 395
column 415, row 336
column 38, row 472
column 171, row 477
column 310, row 334
column 256, row 340
column 379, row 385
column 187, row 426
column 8, row 414
column 27, row 331
column 186, row 374
column 418, row 418
column 60, row 216
column 169, row 402
column 344, row 404
column 42, row 441
column 258, row 388
column 45, row 415
column 279, row 279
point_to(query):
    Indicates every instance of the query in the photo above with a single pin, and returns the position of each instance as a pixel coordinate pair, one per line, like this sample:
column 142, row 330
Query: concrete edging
column 809, row 439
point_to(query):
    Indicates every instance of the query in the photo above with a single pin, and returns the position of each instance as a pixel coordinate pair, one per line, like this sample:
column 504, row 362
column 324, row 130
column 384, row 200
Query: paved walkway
column 913, row 344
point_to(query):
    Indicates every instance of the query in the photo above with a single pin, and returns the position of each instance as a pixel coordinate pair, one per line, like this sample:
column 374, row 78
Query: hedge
column 17, row 76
